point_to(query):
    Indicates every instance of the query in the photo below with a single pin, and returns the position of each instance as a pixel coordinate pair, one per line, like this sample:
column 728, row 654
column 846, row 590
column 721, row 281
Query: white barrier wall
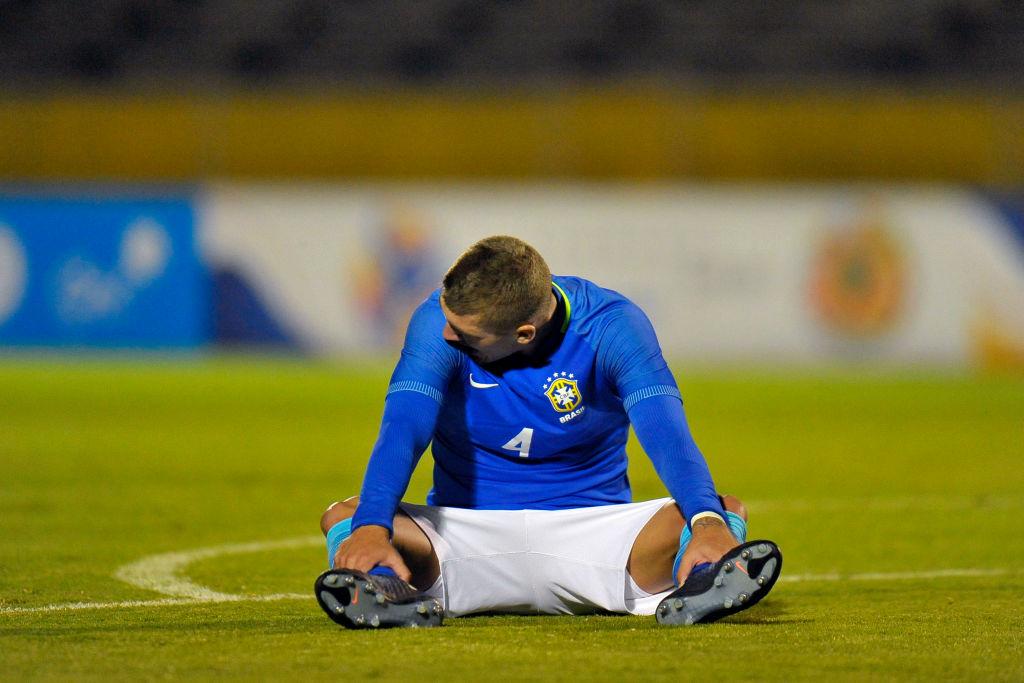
column 905, row 275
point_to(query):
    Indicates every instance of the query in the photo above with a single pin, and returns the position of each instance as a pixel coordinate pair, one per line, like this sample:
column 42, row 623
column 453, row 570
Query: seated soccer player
column 527, row 384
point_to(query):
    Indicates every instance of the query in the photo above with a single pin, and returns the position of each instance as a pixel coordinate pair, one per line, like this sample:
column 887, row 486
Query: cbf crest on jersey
column 563, row 392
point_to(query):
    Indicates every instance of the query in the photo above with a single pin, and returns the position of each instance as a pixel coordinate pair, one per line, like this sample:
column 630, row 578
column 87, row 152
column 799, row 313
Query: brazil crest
column 564, row 393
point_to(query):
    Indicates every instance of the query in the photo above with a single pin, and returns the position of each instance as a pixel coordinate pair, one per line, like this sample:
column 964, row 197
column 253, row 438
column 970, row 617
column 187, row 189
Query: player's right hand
column 367, row 547
column 711, row 540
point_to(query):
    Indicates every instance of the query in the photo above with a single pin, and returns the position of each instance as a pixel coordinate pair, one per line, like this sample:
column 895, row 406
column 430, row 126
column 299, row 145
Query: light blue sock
column 335, row 535
column 737, row 526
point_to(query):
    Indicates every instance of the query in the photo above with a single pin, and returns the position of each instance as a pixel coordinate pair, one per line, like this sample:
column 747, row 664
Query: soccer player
column 526, row 384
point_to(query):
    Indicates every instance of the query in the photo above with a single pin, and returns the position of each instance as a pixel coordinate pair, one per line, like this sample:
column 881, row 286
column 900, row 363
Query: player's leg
column 654, row 552
column 740, row 579
column 379, row 599
column 409, row 539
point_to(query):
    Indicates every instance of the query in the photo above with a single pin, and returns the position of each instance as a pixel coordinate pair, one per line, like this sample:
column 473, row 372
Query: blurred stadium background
column 800, row 181
column 820, row 204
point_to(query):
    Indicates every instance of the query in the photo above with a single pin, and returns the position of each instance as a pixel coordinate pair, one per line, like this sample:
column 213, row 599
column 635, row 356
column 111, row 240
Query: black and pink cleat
column 358, row 600
column 737, row 581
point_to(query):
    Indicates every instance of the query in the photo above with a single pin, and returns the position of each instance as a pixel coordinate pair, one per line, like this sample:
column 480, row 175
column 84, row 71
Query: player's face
column 467, row 334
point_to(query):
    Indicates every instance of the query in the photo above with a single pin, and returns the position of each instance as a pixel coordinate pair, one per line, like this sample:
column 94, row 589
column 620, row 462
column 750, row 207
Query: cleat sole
column 726, row 588
column 350, row 599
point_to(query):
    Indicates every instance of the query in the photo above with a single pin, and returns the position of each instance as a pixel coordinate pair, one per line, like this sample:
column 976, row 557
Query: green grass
column 105, row 462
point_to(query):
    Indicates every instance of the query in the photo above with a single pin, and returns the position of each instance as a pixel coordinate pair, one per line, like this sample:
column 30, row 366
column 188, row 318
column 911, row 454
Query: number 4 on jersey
column 521, row 442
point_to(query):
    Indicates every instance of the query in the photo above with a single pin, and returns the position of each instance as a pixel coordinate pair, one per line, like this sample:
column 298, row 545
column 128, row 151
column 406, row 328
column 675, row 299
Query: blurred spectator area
column 703, row 89
column 197, row 43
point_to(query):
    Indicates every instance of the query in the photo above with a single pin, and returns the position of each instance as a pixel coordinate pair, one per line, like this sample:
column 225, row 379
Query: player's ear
column 526, row 333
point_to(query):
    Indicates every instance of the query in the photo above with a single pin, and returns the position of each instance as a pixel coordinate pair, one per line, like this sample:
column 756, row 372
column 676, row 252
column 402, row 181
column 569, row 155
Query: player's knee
column 734, row 504
column 336, row 512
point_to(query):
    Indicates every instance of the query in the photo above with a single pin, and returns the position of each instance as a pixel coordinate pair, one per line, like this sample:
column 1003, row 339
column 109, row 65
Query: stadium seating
column 209, row 43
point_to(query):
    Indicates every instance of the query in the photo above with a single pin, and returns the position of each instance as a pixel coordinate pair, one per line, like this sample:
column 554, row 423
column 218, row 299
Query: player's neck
column 545, row 329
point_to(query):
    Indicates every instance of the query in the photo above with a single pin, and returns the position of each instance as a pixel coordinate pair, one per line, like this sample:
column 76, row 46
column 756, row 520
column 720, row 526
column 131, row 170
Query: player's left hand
column 711, row 540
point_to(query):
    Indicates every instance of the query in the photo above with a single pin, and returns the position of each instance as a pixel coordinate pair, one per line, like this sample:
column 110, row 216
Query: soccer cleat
column 357, row 600
column 739, row 580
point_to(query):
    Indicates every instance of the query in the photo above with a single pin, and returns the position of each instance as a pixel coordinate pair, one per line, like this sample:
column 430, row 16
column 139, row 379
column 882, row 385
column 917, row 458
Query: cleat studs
column 350, row 580
column 743, row 598
column 662, row 608
column 360, row 620
column 330, row 602
column 761, row 581
column 719, row 581
column 332, row 580
column 745, row 554
column 380, row 598
column 375, row 621
column 762, row 548
column 728, row 603
column 369, row 587
column 677, row 603
column 422, row 608
column 727, row 567
column 438, row 609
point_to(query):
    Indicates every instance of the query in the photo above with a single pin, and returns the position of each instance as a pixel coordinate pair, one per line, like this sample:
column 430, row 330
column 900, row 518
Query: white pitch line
column 163, row 573
column 929, row 503
column 965, row 573
column 897, row 576
column 164, row 602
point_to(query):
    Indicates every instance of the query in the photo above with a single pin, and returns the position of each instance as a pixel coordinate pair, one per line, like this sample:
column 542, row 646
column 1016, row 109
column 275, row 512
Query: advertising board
column 100, row 271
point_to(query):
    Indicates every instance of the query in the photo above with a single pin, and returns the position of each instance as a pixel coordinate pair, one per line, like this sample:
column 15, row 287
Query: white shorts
column 537, row 561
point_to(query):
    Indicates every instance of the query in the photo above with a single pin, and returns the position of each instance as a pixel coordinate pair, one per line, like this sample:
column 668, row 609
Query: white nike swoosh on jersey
column 478, row 385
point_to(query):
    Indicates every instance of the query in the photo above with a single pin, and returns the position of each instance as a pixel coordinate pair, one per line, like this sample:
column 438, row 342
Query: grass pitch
column 897, row 501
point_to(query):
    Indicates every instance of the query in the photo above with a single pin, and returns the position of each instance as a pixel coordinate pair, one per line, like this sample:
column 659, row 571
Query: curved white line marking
column 163, row 573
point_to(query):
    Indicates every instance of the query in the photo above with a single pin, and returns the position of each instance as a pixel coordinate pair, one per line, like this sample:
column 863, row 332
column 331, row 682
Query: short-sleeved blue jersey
column 546, row 432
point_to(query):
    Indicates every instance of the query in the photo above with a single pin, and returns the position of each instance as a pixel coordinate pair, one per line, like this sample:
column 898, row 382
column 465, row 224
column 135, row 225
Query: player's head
column 495, row 298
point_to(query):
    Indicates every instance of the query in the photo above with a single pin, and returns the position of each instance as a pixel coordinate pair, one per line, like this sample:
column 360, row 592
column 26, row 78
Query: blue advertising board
column 101, row 271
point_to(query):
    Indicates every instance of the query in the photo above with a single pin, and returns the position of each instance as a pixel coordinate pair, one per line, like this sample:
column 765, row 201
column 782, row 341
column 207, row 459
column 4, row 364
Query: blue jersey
column 541, row 432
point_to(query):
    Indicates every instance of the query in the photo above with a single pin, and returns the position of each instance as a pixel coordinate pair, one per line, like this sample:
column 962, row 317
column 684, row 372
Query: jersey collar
column 568, row 307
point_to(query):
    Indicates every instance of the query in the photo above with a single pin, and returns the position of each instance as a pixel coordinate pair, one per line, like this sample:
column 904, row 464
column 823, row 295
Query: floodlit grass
column 103, row 463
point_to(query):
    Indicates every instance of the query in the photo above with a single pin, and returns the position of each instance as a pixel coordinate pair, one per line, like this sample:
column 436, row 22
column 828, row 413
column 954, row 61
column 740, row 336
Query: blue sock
column 737, row 526
column 336, row 535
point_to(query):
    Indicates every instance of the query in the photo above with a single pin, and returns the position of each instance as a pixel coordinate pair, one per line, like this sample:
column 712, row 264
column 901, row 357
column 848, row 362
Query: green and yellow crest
column 564, row 394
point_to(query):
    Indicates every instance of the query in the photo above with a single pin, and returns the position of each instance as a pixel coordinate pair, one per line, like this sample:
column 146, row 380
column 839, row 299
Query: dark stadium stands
column 203, row 44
